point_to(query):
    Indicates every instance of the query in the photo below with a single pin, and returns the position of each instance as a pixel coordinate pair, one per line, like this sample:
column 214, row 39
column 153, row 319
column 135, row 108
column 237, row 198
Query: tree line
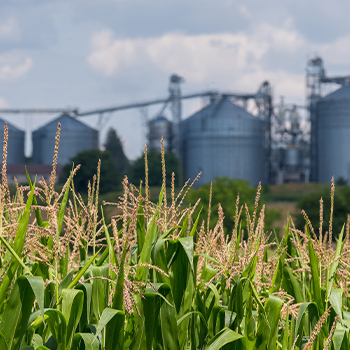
column 115, row 165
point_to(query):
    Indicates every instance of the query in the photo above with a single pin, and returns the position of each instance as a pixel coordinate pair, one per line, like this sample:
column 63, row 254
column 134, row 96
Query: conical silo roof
column 341, row 94
column 75, row 137
column 67, row 123
column 223, row 108
column 10, row 126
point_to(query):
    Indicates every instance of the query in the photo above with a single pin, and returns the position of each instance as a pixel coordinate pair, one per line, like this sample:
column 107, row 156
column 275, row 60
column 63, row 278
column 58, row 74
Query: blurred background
column 256, row 91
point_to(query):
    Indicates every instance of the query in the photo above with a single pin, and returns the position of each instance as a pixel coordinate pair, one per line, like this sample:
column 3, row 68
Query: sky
column 91, row 54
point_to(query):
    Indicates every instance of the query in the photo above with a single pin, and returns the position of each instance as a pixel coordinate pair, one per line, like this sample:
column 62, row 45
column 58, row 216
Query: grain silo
column 333, row 136
column 75, row 137
column 158, row 128
column 223, row 140
column 15, row 145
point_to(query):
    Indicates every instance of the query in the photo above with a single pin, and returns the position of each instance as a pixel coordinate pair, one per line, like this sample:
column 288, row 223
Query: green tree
column 109, row 178
column 154, row 168
column 225, row 192
column 115, row 147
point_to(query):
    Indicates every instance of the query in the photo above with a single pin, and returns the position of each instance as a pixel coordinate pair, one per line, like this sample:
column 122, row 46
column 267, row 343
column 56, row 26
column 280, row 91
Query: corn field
column 157, row 278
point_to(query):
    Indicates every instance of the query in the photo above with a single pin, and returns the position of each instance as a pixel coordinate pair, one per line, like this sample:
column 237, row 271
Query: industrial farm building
column 75, row 137
column 242, row 136
column 15, row 143
column 223, row 140
column 332, row 128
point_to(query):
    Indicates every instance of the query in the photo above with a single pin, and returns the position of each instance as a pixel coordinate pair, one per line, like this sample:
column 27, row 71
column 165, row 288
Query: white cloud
column 14, row 65
column 231, row 60
column 9, row 29
column 337, row 52
column 282, row 39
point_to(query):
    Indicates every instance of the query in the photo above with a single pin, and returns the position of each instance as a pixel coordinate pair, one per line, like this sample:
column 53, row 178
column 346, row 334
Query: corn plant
column 158, row 278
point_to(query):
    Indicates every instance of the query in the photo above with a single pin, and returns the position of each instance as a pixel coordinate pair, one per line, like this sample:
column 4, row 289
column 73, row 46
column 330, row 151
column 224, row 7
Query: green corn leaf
column 66, row 281
column 82, row 271
column 135, row 335
column 19, row 307
column 106, row 316
column 39, row 219
column 314, row 265
column 226, row 336
column 109, row 251
column 158, row 286
column 193, row 313
column 117, row 302
column 312, row 309
column 160, row 199
column 194, row 227
column 19, row 260
column 58, row 327
column 150, row 316
column 99, row 293
column 257, row 298
column 158, row 258
column 167, row 233
column 145, row 257
column 331, row 272
column 286, row 335
column 89, row 342
column 291, row 285
column 37, row 340
column 187, row 245
column 169, row 329
column 180, row 267
column 115, row 331
column 184, row 227
column 266, row 336
column 338, row 339
column 140, row 229
column 62, row 209
column 3, row 344
column 277, row 277
column 72, row 307
column 336, row 300
column 18, row 246
column 64, row 262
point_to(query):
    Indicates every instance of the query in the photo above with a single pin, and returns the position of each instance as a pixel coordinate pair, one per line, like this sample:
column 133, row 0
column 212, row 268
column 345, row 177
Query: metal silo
column 75, row 137
column 158, row 128
column 15, row 145
column 333, row 135
column 223, row 140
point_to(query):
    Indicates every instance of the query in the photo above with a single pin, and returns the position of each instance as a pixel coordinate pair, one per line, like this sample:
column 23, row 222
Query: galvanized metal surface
column 158, row 128
column 333, row 136
column 75, row 137
column 292, row 157
column 15, row 145
column 223, row 140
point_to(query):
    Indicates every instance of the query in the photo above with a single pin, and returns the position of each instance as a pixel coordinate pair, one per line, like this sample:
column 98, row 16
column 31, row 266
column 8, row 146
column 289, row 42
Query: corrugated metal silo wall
column 72, row 141
column 37, row 136
column 333, row 132
column 230, row 147
column 15, row 145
